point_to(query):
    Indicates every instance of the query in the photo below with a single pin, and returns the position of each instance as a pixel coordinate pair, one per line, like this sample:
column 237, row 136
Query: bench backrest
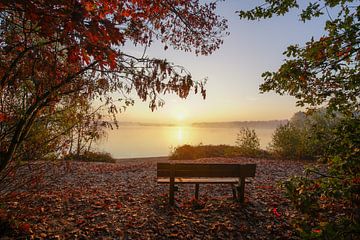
column 205, row 170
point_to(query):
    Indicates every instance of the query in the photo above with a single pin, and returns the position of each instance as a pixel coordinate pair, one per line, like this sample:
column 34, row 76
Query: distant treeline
column 249, row 124
column 233, row 124
column 143, row 124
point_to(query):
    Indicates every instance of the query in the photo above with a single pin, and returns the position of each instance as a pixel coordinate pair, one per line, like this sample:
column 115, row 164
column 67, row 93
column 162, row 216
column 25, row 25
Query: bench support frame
column 213, row 174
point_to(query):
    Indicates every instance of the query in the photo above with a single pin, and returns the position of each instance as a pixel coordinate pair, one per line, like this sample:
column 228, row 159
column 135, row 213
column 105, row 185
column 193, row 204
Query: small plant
column 287, row 142
column 248, row 142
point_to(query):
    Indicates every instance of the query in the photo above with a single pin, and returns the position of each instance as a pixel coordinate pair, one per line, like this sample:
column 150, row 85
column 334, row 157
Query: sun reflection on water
column 180, row 134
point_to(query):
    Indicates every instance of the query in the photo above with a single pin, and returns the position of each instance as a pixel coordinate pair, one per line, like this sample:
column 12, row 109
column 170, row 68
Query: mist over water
column 153, row 141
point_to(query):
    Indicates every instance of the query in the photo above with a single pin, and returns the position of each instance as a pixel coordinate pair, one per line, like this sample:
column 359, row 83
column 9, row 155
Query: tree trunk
column 21, row 131
column 79, row 142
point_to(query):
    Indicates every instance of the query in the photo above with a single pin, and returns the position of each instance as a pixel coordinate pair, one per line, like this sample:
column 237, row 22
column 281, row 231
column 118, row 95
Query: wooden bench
column 193, row 173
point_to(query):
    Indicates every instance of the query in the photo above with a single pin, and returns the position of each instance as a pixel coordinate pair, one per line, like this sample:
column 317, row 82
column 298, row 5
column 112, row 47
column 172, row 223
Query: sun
column 180, row 116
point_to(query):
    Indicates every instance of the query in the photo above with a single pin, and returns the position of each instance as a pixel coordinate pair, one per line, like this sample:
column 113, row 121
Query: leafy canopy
column 325, row 70
column 55, row 49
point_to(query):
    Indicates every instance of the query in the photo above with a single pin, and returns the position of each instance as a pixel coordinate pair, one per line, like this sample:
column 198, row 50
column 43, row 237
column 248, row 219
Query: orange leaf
column 126, row 13
column 89, row 6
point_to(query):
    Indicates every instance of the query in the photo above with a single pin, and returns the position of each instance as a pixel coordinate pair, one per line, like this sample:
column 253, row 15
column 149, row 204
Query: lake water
column 153, row 141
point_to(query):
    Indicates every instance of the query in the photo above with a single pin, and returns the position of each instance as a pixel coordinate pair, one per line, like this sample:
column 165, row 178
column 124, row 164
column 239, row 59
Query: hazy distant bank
column 232, row 124
column 237, row 124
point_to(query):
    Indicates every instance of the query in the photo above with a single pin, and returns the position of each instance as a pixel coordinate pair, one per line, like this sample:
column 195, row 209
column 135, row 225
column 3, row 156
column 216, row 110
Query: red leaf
column 80, row 221
column 25, row 227
column 276, row 213
column 3, row 117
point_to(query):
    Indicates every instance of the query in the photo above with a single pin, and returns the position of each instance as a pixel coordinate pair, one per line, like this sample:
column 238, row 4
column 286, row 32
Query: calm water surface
column 152, row 141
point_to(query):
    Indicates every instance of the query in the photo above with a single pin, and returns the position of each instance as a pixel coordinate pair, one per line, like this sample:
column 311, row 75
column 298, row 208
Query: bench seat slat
column 200, row 180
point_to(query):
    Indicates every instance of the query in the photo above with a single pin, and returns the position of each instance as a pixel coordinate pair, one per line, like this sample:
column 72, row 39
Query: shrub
column 203, row 151
column 248, row 142
column 305, row 136
column 329, row 201
column 91, row 157
column 287, row 142
column 206, row 151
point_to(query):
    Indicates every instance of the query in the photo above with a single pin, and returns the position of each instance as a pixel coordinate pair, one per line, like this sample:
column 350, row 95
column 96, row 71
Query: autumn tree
column 324, row 72
column 51, row 49
column 87, row 126
column 72, row 127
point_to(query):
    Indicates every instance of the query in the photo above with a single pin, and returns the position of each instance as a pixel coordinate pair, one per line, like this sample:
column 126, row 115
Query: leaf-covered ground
column 123, row 201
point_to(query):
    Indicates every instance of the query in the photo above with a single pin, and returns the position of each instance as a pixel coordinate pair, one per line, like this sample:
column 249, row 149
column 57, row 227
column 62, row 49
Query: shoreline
column 138, row 159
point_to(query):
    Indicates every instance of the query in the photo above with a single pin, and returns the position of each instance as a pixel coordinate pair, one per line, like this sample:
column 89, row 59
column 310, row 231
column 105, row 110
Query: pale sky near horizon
column 233, row 71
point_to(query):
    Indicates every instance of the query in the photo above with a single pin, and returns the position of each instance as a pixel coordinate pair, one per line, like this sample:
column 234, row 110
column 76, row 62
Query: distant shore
column 226, row 124
column 140, row 159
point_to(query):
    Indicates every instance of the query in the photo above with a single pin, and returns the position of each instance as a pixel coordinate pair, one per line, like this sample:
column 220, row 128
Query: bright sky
column 234, row 72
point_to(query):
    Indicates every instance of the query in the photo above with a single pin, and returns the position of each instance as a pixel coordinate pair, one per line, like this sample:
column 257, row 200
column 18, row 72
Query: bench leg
column 241, row 190
column 196, row 191
column 233, row 191
column 172, row 192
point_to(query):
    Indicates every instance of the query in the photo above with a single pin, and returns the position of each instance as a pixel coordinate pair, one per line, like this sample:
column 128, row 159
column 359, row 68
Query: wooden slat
column 206, row 170
column 163, row 169
column 200, row 180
